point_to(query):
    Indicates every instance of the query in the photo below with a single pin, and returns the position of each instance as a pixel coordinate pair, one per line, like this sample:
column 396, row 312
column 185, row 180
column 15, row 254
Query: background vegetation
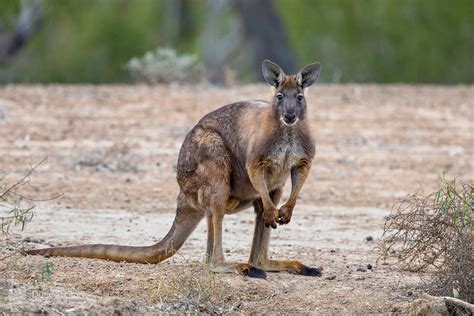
column 412, row 41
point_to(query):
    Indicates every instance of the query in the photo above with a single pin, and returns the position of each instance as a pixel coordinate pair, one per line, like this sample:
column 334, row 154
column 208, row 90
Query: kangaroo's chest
column 285, row 155
column 281, row 158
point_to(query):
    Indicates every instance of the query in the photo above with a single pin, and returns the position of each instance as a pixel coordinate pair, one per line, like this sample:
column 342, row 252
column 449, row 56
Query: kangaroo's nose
column 290, row 117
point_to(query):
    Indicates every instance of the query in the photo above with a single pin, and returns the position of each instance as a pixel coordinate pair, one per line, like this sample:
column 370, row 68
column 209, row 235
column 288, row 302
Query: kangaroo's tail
column 184, row 223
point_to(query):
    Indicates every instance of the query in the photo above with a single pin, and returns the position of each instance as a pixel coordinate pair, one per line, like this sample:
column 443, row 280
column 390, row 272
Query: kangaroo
column 236, row 156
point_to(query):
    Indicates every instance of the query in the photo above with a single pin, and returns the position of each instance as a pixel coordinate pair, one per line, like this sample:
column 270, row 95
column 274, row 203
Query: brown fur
column 236, row 156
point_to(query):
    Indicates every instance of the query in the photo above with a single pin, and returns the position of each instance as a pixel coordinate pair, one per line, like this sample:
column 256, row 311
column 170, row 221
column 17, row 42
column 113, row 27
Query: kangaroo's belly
column 243, row 194
column 276, row 175
column 244, row 190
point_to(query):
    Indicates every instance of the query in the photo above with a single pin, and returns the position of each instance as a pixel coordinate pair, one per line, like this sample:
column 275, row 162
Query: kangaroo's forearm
column 256, row 172
column 299, row 174
column 298, row 177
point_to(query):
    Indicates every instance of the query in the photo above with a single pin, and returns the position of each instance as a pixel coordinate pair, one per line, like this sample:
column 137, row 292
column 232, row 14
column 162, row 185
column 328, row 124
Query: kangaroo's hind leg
column 210, row 238
column 217, row 262
column 261, row 239
column 212, row 175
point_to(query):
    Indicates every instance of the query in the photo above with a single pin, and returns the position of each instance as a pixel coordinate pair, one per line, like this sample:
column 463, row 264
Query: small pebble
column 347, row 159
column 361, row 269
column 332, row 250
column 369, row 266
column 34, row 240
column 46, row 255
column 369, row 238
column 456, row 151
column 331, row 277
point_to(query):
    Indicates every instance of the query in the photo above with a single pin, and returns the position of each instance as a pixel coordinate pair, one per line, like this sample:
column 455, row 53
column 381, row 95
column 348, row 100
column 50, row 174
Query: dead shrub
column 13, row 211
column 17, row 209
column 434, row 234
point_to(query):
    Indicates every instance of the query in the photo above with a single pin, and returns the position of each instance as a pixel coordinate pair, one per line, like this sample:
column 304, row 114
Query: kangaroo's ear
column 272, row 73
column 308, row 75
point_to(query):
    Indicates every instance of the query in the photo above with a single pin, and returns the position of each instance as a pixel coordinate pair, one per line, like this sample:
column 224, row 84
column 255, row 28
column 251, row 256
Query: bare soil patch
column 112, row 151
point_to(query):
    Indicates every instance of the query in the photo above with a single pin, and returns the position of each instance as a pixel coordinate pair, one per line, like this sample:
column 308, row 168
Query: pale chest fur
column 286, row 155
column 281, row 158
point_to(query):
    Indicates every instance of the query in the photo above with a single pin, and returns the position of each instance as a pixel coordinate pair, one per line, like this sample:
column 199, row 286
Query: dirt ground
column 111, row 151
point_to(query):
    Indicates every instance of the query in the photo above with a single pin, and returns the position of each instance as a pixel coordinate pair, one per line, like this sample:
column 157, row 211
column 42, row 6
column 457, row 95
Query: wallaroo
column 237, row 156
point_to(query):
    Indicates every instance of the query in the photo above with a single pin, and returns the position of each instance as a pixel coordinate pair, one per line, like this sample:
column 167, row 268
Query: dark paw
column 255, row 273
column 314, row 272
column 307, row 271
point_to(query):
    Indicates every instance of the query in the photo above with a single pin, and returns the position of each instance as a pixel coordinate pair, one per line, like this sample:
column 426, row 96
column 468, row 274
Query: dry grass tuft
column 434, row 233
column 193, row 290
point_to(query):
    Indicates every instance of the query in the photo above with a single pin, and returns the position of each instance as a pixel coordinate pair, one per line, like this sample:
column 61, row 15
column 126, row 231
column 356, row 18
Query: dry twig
column 16, row 208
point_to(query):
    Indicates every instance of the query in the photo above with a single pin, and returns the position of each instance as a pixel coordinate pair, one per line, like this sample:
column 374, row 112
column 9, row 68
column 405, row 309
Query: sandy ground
column 111, row 151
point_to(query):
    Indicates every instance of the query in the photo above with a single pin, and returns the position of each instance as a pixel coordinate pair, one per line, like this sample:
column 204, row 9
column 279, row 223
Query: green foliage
column 47, row 271
column 356, row 41
column 87, row 41
column 457, row 204
column 384, row 41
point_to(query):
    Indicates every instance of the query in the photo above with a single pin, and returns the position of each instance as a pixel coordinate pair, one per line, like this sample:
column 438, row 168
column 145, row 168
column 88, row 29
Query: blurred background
column 224, row 42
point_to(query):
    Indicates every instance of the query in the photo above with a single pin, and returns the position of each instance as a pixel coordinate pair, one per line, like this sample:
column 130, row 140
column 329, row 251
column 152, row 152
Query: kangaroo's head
column 288, row 103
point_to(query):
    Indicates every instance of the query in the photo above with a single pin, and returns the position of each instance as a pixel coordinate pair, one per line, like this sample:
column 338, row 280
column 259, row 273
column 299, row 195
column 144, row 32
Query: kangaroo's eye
column 300, row 97
column 279, row 96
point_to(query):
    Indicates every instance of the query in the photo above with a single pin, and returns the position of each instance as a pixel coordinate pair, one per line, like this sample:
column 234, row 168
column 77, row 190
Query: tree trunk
column 28, row 22
column 266, row 33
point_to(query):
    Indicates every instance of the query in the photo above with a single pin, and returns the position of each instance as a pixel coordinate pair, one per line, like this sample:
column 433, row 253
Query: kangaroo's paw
column 291, row 266
column 239, row 268
column 270, row 217
column 284, row 214
column 304, row 270
column 250, row 271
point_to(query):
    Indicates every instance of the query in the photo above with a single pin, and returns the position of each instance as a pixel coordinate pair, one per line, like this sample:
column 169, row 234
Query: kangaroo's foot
column 291, row 266
column 239, row 268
